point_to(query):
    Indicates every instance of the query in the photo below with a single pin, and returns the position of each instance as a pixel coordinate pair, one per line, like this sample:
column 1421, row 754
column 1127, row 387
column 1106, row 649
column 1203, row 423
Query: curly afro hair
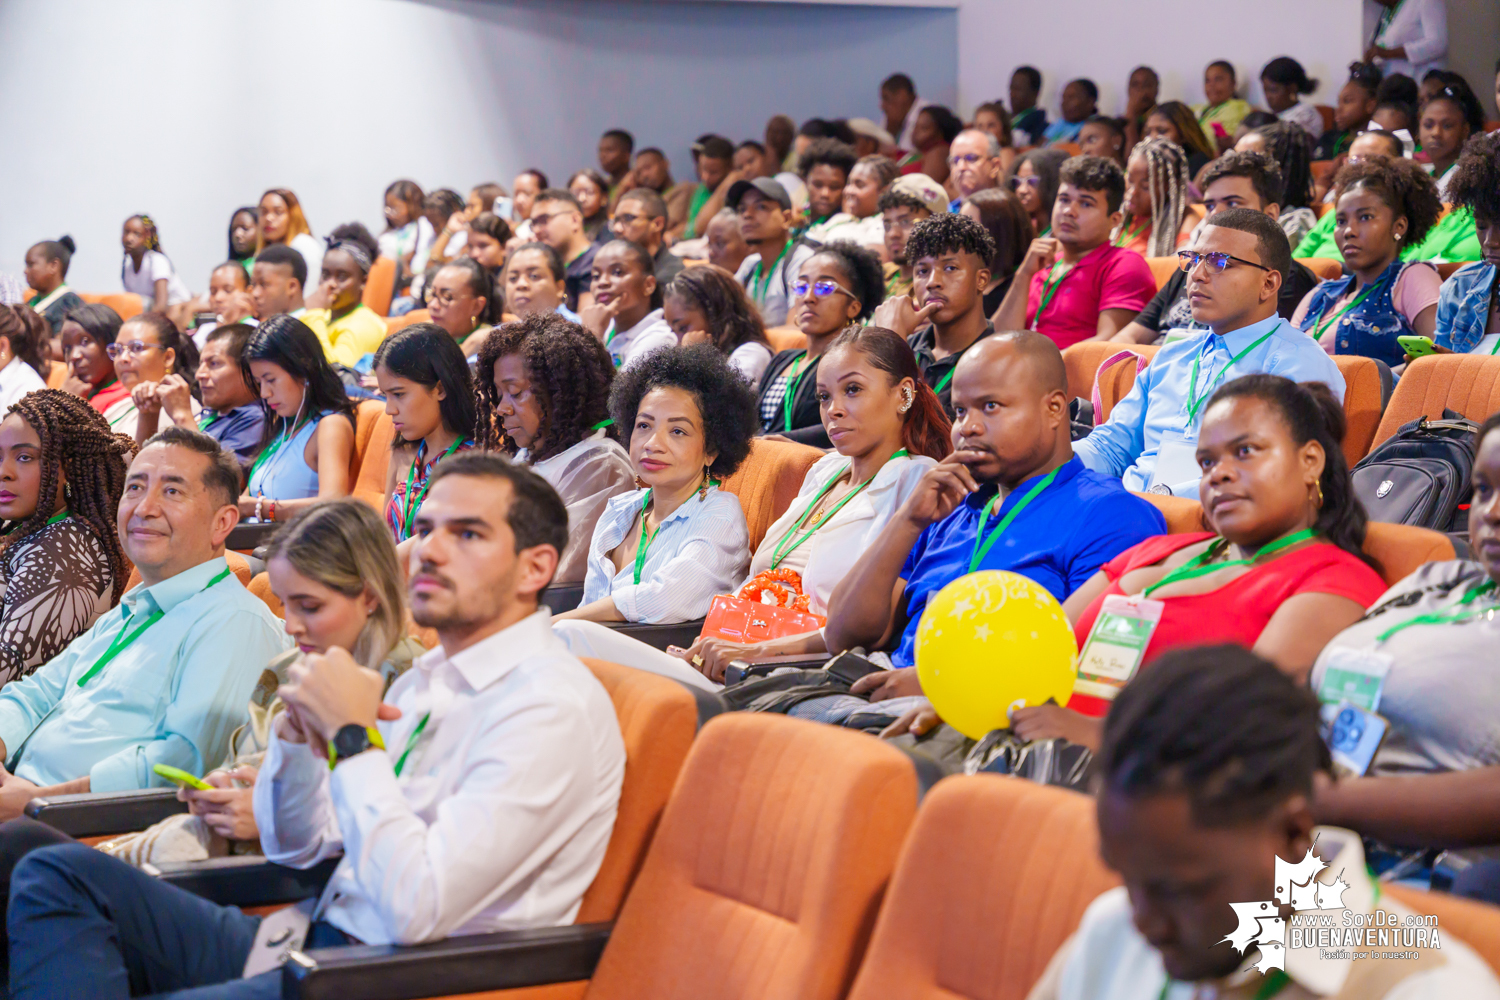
column 839, row 155
column 950, row 233
column 1401, row 184
column 725, row 400
column 570, row 375
column 1475, row 184
column 863, row 270
column 1089, row 173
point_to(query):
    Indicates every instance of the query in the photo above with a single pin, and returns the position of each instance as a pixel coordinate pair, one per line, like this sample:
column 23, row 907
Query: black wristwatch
column 351, row 740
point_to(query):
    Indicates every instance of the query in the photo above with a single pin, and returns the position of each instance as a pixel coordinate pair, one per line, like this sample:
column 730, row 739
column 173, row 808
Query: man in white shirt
column 1207, row 771
column 490, row 810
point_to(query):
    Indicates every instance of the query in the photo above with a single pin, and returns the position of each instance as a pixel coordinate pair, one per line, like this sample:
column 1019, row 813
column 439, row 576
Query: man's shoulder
column 1111, row 505
column 746, row 266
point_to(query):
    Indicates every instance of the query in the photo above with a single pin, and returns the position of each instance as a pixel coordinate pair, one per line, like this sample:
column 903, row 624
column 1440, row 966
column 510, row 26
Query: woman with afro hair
column 543, row 389
column 662, row 551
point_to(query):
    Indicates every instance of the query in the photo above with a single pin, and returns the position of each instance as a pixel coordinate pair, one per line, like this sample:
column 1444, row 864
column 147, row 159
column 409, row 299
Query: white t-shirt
column 750, row 360
column 1304, row 115
column 311, row 249
column 626, row 346
column 17, row 378
column 154, row 267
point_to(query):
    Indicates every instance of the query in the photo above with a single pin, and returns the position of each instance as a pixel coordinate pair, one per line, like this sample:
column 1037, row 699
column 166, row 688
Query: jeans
column 83, row 924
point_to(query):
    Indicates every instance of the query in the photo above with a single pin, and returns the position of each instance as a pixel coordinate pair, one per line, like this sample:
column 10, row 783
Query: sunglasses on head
column 1187, row 260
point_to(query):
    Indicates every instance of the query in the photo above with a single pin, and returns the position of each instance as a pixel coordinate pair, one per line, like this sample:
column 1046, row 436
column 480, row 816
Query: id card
column 1177, row 461
column 1116, row 645
column 1353, row 675
column 278, row 935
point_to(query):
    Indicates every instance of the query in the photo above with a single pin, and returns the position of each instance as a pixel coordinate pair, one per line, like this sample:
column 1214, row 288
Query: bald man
column 1012, row 466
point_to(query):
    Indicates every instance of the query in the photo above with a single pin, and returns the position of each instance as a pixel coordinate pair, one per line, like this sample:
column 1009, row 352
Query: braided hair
column 570, row 374
column 153, row 239
column 1167, row 176
column 1291, row 147
column 76, row 441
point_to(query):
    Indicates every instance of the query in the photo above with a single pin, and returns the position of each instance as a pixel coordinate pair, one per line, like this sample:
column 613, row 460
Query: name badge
column 1116, row 645
column 1176, row 461
column 1353, row 675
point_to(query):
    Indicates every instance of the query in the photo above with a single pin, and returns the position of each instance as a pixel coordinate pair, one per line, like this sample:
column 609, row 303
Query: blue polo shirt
column 238, row 431
column 1072, row 528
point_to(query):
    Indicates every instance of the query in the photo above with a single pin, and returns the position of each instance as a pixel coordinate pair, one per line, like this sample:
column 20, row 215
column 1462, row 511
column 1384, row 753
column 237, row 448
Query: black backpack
column 1421, row 475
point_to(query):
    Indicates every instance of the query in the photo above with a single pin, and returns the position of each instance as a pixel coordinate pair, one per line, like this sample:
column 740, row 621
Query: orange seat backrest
column 260, row 586
column 786, row 338
column 57, row 375
column 1083, row 361
column 765, row 875
column 1323, row 208
column 1071, row 148
column 1326, row 268
column 127, row 306
column 769, row 481
column 1475, row 924
column 380, row 285
column 394, row 323
column 369, row 485
column 993, row 879
column 1466, row 383
column 658, row 720
column 1327, row 112
column 1322, row 170
column 367, row 414
column 1362, row 403
column 1184, row 515
column 1162, row 268
column 236, row 562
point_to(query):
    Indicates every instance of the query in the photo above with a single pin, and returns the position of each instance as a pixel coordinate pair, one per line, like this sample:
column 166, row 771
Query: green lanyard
column 947, row 377
column 793, row 382
column 645, row 543
column 411, row 742
column 1195, row 401
column 1049, row 288
column 1337, row 317
column 1044, row 232
column 601, row 424
column 122, row 640
column 1200, row 564
column 1209, row 110
column 1386, row 17
column 1447, row 617
column 980, row 551
column 265, row 456
column 204, row 423
column 758, row 292
column 60, row 515
column 414, row 498
column 787, row 545
column 1126, row 238
column 1274, row 983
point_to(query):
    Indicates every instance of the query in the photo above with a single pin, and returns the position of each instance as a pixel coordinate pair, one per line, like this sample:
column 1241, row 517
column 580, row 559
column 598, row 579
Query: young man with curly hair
column 1074, row 285
column 824, row 168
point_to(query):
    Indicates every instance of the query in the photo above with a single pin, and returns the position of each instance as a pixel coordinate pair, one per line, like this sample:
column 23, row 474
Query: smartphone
column 181, row 778
column 850, row 667
column 204, row 318
column 1416, row 347
column 1353, row 735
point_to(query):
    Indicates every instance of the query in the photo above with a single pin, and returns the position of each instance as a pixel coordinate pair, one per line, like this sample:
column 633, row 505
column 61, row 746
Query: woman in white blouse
column 887, row 429
column 660, row 553
column 543, row 390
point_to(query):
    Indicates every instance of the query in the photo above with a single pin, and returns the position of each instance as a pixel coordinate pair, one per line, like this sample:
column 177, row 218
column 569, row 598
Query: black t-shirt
column 1168, row 308
column 578, row 276
column 939, row 374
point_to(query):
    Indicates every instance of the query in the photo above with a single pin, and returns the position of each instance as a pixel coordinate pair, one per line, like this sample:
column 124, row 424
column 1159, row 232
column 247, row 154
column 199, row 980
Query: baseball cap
column 715, row 147
column 923, row 188
column 867, row 128
column 765, row 185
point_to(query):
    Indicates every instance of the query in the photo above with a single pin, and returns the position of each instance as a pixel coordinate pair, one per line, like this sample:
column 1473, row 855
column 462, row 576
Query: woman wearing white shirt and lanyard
column 888, row 429
column 1407, row 36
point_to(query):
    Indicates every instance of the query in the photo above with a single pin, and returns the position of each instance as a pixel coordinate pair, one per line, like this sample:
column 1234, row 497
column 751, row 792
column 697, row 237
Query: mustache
column 426, row 569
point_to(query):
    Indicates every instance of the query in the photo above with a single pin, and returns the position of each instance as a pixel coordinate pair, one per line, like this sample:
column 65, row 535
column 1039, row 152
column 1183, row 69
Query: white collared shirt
column 700, row 550
column 17, row 378
column 501, row 815
column 1420, row 26
column 628, row 346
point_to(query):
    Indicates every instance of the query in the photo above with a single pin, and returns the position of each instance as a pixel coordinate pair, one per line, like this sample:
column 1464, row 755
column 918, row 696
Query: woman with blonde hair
column 282, row 221
column 334, row 570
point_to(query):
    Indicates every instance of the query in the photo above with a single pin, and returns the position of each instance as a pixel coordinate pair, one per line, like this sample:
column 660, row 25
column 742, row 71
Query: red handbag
column 739, row 620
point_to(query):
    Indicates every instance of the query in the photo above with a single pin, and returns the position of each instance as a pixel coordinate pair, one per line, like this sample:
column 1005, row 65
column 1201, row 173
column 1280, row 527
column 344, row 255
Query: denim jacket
column 1464, row 307
column 1371, row 328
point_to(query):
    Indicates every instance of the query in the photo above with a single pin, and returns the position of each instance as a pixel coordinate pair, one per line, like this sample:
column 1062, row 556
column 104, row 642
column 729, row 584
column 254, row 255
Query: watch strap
column 369, row 737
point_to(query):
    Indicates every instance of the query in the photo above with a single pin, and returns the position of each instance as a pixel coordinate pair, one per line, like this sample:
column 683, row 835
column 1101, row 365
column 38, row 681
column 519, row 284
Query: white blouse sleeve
column 708, row 554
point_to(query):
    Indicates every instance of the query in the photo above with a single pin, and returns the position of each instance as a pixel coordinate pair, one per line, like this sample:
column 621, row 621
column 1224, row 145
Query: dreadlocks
column 1167, row 176
column 76, row 441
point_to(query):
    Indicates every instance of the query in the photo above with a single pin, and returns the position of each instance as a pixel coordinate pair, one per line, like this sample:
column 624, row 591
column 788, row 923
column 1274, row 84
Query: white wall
column 188, row 108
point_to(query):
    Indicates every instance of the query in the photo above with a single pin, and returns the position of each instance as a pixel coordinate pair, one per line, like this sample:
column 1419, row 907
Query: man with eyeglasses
column 641, row 217
column 1235, row 268
column 974, row 162
column 765, row 211
column 557, row 221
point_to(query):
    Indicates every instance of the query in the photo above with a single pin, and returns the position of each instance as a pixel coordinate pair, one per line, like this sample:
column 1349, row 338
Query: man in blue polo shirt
column 1240, row 257
column 1055, row 521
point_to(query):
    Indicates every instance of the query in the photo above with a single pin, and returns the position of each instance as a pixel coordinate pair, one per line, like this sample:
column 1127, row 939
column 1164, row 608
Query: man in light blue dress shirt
column 1151, row 436
column 164, row 677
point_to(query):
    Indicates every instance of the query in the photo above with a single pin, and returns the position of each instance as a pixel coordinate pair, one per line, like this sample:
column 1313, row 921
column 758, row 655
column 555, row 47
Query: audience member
column 888, row 430
column 409, row 234
column 88, row 331
column 1288, row 147
column 626, row 314
column 726, row 244
column 1028, row 121
column 1448, row 118
column 1207, row 771
column 232, row 413
column 1080, row 101
column 1142, row 92
column 544, row 393
column 713, row 159
column 615, row 147
column 47, row 354
column 1407, row 38
column 488, row 234
column 1394, row 116
column 283, row 224
column 1351, row 114
column 1034, row 179
column 244, row 223
column 346, row 328
column 860, row 221
column 183, row 650
column 1103, row 136
column 1001, row 214
column 765, row 211
column 1157, row 220
column 453, row 239
column 974, row 164
column 439, row 208
column 592, row 192
column 691, row 418
column 147, row 352
column 23, row 368
column 429, row 396
column 869, row 138
column 1284, row 81
column 841, row 284
column 1468, row 317
column 1382, row 204
column 1073, row 284
column 228, row 300
column 900, row 105
column 821, row 128
column 906, row 202
column 780, row 133
column 704, row 305
column 61, row 566
column 1175, row 122
column 534, row 283
column 147, row 272
column 935, row 130
column 527, row 185
column 1234, row 180
column 1221, row 112
column 309, row 439
column 1236, row 266
column 558, row 222
column 459, row 299
column 641, row 218
column 992, row 119
column 484, row 555
column 46, row 272
column 278, row 281
column 825, row 168
column 750, row 160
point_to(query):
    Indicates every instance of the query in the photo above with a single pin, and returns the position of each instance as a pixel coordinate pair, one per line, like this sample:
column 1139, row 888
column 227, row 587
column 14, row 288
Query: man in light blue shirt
column 164, row 677
column 1241, row 257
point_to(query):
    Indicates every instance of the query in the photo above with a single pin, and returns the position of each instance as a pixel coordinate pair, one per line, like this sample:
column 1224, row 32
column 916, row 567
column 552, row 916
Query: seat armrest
column 455, row 966
column 248, row 536
column 247, row 880
column 94, row 814
column 562, row 597
column 660, row 636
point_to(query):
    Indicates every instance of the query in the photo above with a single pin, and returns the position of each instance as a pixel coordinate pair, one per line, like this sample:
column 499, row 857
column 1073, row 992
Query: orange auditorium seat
column 57, row 375
column 1327, row 112
column 1322, row 170
column 1364, row 401
column 769, row 481
column 1162, row 268
column 380, row 285
column 786, row 338
column 260, row 586
column 1083, row 361
column 394, row 323
column 374, row 466
column 127, row 306
column 1448, row 268
column 1184, row 515
column 1466, row 383
column 1323, row 208
column 367, row 414
column 1475, row 924
column 1326, row 268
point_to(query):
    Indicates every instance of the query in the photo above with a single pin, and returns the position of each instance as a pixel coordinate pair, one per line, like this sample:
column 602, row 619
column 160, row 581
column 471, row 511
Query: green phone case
column 1417, row 347
column 178, row 776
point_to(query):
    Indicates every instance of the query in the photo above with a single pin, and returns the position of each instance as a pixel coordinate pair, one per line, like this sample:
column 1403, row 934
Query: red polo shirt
column 1107, row 277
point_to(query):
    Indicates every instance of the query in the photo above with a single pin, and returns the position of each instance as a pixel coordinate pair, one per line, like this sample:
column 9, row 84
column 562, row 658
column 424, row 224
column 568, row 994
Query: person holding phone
column 1468, row 311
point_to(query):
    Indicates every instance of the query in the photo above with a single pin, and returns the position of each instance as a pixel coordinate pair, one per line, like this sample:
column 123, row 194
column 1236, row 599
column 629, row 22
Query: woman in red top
column 1287, row 545
column 87, row 331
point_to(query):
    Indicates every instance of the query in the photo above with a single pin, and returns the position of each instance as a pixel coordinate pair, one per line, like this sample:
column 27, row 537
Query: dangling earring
column 1319, row 501
column 640, row 483
column 703, row 490
column 906, row 399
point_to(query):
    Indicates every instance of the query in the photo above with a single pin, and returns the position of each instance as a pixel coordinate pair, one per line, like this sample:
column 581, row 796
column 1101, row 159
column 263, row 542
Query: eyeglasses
column 968, row 158
column 821, row 289
column 1032, row 181
column 1217, row 262
column 625, row 218
column 135, row 349
column 442, row 296
column 540, row 221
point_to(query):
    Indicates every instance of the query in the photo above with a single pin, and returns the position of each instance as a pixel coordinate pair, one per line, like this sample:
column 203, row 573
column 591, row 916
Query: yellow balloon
column 990, row 642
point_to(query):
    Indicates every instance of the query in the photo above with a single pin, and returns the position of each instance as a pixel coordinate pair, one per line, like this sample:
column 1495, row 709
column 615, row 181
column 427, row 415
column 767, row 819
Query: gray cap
column 767, row 186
